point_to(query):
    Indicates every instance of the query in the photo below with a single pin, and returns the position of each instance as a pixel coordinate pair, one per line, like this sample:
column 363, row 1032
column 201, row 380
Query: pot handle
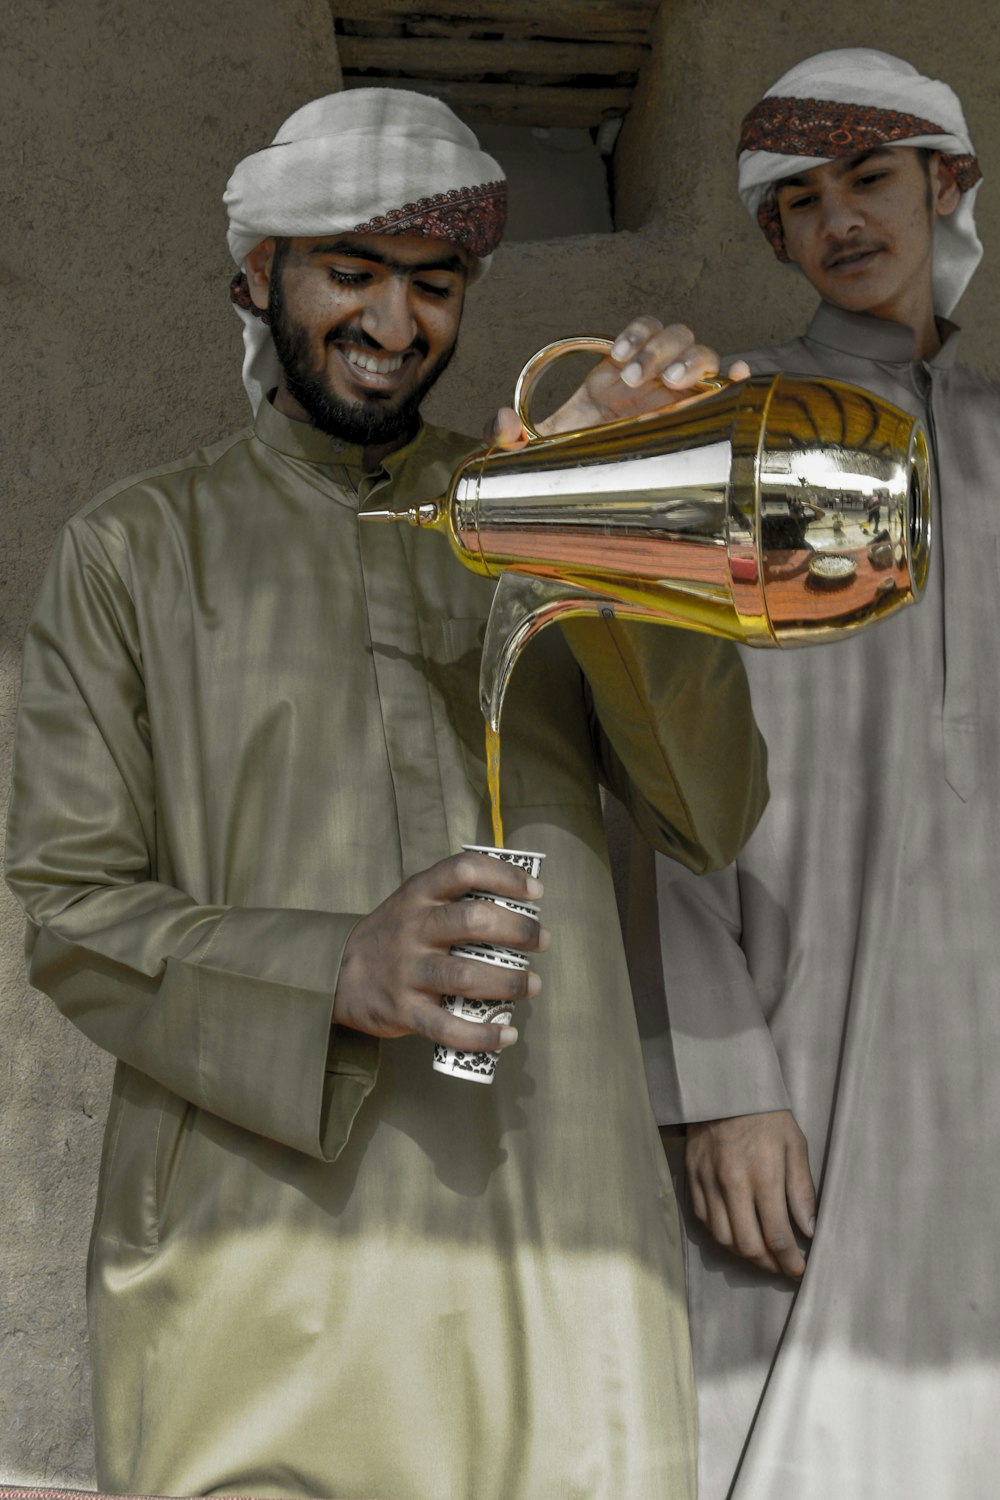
column 547, row 356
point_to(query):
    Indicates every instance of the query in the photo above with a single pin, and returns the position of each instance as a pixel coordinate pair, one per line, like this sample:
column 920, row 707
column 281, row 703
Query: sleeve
column 706, row 1044
column 675, row 734
column 229, row 1008
column 680, row 748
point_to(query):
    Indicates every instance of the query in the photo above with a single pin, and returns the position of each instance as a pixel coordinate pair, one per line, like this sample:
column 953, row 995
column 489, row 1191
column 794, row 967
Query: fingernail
column 534, row 985
column 675, row 371
column 621, row 348
column 812, row 1225
column 544, row 939
column 632, row 374
column 508, row 1036
column 534, row 887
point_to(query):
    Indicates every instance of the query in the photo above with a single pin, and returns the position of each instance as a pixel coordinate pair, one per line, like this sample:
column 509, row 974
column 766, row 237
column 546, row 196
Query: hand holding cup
column 398, row 962
column 480, row 1065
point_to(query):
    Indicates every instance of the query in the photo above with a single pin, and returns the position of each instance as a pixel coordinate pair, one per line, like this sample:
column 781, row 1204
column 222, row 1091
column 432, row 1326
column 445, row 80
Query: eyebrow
column 847, row 164
column 453, row 263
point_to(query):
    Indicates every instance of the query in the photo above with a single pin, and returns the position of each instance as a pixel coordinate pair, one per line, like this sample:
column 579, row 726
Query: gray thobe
column 849, row 966
column 317, row 1266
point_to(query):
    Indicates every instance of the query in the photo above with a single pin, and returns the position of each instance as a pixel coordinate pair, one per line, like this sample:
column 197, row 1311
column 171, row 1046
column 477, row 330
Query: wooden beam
column 436, row 56
column 456, row 26
column 574, row 19
column 512, row 104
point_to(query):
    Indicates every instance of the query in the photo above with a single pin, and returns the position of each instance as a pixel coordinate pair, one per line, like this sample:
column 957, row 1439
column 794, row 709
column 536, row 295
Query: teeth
column 376, row 366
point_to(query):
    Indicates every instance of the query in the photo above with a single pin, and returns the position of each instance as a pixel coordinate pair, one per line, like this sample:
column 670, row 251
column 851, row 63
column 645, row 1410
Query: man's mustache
column 843, row 252
column 348, row 333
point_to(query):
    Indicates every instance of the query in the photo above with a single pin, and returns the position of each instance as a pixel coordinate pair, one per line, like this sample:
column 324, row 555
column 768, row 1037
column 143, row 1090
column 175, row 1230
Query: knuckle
column 413, row 888
column 423, row 1023
column 464, row 867
column 465, row 917
column 701, row 1174
column 728, row 1174
column 379, row 1017
column 436, row 973
column 463, row 977
column 527, row 933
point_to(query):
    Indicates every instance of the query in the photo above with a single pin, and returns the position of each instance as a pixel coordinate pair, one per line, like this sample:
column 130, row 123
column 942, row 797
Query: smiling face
column 363, row 326
column 862, row 228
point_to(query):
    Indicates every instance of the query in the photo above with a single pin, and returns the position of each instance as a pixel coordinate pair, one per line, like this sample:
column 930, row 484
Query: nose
column 840, row 213
column 388, row 316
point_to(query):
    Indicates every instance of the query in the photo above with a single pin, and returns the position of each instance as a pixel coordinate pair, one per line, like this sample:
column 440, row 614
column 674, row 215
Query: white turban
column 375, row 161
column 842, row 103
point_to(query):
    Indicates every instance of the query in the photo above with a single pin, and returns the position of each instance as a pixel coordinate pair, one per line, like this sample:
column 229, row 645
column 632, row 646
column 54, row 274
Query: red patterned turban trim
column 826, row 128
column 469, row 216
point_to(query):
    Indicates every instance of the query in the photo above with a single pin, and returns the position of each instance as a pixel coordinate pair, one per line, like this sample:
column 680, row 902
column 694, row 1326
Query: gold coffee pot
column 779, row 510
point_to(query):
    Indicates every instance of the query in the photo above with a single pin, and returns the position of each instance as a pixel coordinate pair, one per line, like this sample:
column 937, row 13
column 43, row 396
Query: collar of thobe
column 878, row 339
column 892, row 344
column 303, row 441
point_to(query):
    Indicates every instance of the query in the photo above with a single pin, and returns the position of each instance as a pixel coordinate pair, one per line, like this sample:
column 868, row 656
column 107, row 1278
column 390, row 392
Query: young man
column 249, row 750
column 833, row 997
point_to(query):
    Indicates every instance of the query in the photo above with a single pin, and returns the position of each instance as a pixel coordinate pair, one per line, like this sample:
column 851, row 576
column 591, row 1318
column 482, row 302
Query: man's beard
column 370, row 421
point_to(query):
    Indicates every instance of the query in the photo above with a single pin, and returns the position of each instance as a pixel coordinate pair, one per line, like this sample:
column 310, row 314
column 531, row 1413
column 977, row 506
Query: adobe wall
column 122, row 120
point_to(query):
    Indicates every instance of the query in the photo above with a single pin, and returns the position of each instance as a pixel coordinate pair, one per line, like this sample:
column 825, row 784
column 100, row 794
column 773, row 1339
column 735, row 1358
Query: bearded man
column 249, row 748
column 833, row 996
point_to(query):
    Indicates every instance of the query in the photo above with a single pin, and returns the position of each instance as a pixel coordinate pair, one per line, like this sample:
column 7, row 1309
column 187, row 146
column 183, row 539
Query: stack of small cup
column 480, row 1067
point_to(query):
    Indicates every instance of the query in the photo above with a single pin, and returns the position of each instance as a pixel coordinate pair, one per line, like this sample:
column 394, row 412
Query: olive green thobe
column 317, row 1266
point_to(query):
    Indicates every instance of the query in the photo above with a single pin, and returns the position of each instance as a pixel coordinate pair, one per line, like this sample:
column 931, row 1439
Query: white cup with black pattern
column 526, row 859
column 478, row 1067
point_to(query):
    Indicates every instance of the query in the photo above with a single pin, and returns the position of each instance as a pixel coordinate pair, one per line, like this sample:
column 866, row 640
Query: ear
column 258, row 269
column 945, row 191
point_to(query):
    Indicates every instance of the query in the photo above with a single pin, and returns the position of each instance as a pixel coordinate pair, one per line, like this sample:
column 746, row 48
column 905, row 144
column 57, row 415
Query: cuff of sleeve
column 708, row 1077
column 351, row 1070
column 270, row 1057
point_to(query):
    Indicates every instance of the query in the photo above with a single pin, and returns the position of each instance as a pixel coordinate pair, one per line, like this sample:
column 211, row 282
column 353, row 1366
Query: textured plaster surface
column 122, row 120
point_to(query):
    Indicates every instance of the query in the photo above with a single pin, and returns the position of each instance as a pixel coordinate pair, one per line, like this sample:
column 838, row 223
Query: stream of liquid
column 493, row 782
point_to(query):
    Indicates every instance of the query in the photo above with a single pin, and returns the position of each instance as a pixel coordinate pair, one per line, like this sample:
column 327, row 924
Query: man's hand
column 397, row 962
column 749, row 1179
column 648, row 367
